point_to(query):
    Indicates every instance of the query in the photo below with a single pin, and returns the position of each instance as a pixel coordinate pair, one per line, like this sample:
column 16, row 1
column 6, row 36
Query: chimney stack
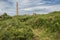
column 17, row 8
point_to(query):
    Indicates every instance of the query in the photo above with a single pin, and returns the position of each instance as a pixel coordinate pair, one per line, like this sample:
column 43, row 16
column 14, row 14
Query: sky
column 29, row 6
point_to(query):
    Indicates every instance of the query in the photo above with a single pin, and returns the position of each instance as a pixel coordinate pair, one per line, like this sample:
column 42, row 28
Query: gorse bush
column 30, row 27
column 5, row 16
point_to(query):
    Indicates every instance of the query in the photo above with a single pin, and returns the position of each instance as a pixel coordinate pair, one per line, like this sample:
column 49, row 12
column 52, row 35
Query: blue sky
column 29, row 6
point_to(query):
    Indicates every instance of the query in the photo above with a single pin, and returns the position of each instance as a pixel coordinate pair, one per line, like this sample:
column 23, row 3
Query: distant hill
column 30, row 27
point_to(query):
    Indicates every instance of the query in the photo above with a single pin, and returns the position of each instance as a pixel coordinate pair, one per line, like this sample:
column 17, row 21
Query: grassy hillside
column 30, row 27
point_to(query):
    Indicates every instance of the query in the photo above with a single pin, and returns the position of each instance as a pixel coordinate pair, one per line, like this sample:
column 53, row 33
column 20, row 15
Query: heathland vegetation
column 30, row 27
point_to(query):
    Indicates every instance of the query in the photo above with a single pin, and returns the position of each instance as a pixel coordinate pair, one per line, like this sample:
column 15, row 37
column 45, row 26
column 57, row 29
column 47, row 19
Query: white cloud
column 40, row 3
column 35, row 8
column 50, row 8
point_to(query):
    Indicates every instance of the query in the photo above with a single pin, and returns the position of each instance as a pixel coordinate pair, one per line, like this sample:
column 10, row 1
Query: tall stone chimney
column 16, row 8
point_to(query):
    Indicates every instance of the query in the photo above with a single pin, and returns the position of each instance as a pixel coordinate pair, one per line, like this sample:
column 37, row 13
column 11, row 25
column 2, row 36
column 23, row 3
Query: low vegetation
column 30, row 27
